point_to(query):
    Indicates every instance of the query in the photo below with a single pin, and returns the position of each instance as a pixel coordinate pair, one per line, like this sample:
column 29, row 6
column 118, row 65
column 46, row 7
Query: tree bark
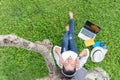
column 44, row 48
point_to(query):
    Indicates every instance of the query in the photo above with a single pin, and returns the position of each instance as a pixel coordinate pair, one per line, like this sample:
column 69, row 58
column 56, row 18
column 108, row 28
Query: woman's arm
column 57, row 50
column 77, row 62
column 82, row 54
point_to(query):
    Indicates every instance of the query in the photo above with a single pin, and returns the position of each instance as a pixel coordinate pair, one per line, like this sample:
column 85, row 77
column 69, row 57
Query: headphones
column 97, row 54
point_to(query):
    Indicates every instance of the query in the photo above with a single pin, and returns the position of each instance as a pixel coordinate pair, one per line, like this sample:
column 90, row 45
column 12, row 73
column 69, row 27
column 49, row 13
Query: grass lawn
column 36, row 20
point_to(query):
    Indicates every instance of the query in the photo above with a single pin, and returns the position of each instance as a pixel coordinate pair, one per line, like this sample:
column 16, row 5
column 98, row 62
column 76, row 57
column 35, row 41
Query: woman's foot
column 71, row 15
column 67, row 27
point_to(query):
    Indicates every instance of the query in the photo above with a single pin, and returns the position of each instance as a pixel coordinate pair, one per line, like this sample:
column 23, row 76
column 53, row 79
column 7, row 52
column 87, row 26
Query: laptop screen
column 92, row 27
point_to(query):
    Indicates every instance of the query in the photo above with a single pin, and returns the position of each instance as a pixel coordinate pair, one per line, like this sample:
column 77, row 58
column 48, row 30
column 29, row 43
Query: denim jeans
column 68, row 42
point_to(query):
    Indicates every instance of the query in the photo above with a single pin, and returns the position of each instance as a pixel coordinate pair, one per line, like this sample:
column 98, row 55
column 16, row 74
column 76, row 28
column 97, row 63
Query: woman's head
column 69, row 66
column 68, row 73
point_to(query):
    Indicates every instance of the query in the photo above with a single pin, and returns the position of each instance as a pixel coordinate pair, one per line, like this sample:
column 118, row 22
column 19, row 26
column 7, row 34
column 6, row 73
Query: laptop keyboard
column 87, row 33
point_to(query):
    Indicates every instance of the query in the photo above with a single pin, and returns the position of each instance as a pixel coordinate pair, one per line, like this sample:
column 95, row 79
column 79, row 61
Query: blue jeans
column 68, row 42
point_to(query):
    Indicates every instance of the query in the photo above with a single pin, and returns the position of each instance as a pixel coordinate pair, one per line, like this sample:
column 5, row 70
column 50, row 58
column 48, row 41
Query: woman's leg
column 64, row 45
column 72, row 44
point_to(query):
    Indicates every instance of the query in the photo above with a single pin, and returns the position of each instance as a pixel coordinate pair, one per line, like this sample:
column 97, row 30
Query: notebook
column 89, row 42
column 88, row 31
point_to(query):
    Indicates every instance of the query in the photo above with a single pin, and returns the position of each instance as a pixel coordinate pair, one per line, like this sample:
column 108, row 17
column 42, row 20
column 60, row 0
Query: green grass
column 36, row 20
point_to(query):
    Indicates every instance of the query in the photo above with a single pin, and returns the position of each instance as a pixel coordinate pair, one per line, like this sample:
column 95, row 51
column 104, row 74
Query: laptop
column 89, row 31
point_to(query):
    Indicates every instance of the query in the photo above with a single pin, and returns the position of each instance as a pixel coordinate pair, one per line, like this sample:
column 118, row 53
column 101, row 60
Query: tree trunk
column 44, row 48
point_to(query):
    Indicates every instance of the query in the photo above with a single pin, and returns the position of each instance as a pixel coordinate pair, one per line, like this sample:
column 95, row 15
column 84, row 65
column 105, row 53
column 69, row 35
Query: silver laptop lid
column 92, row 27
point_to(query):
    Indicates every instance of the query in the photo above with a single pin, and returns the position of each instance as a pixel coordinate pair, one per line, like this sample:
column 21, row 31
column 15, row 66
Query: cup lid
column 99, row 44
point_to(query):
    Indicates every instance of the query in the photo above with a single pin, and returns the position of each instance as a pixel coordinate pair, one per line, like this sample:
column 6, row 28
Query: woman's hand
column 57, row 50
column 83, row 53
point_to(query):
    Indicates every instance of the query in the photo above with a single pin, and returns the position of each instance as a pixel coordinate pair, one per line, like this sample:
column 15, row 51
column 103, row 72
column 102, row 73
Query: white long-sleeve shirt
column 67, row 54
